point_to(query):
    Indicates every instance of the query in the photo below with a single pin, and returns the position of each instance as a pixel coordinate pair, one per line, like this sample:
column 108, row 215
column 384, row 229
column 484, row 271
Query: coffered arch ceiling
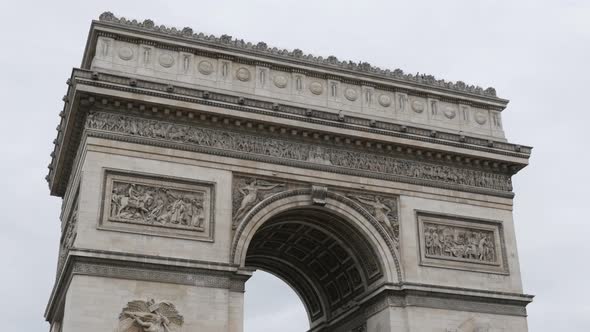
column 325, row 260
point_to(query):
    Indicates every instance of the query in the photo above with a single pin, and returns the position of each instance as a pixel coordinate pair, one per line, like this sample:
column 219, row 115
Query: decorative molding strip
column 331, row 62
column 305, row 155
column 114, row 267
column 148, row 272
column 445, row 301
column 464, row 304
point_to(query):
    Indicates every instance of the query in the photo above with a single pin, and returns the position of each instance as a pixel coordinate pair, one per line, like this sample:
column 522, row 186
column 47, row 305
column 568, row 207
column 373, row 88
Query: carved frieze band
column 461, row 243
column 158, row 206
column 305, row 155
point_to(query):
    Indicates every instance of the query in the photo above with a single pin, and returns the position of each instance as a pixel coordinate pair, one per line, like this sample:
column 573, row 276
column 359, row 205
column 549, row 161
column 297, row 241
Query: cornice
column 296, row 56
column 121, row 265
column 203, row 97
column 227, row 276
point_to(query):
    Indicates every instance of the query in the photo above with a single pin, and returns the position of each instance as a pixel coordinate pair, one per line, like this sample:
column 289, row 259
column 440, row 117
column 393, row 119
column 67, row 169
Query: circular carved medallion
column 205, row 67
column 280, row 81
column 450, row 112
column 350, row 94
column 384, row 100
column 125, row 53
column 243, row 74
column 481, row 117
column 418, row 106
column 166, row 60
column 316, row 88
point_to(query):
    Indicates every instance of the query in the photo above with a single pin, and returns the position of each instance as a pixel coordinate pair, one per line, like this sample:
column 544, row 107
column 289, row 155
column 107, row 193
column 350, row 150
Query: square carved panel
column 156, row 205
column 461, row 243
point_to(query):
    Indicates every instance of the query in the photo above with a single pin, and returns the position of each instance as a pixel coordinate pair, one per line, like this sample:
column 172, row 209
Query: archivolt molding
column 387, row 236
column 311, row 295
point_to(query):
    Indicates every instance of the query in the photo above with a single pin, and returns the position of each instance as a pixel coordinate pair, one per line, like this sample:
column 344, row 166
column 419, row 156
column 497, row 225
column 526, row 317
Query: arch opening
column 270, row 302
column 323, row 257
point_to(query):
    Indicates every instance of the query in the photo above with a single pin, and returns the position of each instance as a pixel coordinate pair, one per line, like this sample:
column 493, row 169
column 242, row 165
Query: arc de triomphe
column 187, row 161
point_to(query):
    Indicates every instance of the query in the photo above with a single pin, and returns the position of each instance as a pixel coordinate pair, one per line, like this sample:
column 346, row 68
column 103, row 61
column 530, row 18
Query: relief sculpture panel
column 157, row 206
column 150, row 316
column 383, row 209
column 461, row 243
column 247, row 192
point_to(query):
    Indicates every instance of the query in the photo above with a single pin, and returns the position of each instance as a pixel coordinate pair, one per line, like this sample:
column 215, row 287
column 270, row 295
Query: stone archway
column 160, row 144
column 331, row 253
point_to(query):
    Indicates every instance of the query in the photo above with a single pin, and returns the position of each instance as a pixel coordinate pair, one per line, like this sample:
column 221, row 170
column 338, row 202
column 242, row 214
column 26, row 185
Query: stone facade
column 187, row 161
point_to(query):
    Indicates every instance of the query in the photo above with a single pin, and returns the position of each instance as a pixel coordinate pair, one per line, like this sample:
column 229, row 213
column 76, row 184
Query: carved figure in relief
column 146, row 55
column 250, row 192
column 319, row 156
column 149, row 316
column 386, row 214
column 403, row 100
column 105, row 47
column 297, row 151
column 138, row 203
column 459, row 242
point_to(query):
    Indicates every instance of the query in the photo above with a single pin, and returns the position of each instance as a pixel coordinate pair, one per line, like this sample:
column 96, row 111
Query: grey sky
column 536, row 53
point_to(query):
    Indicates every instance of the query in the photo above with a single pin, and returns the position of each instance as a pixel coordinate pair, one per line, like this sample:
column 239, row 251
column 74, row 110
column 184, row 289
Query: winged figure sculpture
column 149, row 316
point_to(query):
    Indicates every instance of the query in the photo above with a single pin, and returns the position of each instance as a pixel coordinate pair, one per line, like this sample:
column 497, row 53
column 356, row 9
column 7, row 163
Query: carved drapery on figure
column 462, row 243
column 144, row 204
column 250, row 145
column 149, row 316
column 247, row 192
column 383, row 209
column 157, row 203
column 459, row 243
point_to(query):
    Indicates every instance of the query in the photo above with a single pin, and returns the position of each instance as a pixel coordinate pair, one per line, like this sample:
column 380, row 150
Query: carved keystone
column 319, row 194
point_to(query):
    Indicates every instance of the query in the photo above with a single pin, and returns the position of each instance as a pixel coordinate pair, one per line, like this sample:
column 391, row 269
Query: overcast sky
column 535, row 53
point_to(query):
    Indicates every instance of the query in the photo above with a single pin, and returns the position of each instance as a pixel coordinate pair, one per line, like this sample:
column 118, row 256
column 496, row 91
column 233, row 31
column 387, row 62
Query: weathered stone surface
column 383, row 199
